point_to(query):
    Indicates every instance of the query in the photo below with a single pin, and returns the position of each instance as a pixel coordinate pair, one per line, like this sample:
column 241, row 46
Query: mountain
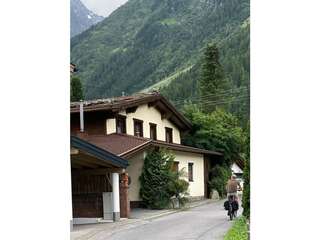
column 148, row 44
column 81, row 17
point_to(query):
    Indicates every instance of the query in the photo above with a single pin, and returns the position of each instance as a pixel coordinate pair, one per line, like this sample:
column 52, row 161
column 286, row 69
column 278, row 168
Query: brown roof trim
column 135, row 149
column 122, row 103
column 240, row 163
column 171, row 146
column 185, row 148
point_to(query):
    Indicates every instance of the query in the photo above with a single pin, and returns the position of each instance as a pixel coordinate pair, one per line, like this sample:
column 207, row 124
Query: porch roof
column 91, row 156
column 124, row 145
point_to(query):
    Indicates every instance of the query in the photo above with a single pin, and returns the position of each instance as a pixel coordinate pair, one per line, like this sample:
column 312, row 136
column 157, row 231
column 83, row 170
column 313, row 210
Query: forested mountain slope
column 146, row 41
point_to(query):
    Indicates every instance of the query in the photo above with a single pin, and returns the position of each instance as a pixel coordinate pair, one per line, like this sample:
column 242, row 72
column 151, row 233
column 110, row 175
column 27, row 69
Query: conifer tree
column 76, row 90
column 212, row 81
column 155, row 178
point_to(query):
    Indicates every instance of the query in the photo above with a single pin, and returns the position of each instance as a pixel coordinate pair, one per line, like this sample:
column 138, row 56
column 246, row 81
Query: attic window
column 168, row 135
column 121, row 124
column 153, row 131
column 190, row 172
column 138, row 127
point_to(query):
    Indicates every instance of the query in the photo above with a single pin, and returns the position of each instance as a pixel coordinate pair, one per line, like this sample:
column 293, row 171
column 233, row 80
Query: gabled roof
column 121, row 103
column 100, row 153
column 124, row 145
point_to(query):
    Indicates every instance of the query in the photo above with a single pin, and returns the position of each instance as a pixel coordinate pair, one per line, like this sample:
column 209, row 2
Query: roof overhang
column 170, row 146
column 85, row 155
column 166, row 109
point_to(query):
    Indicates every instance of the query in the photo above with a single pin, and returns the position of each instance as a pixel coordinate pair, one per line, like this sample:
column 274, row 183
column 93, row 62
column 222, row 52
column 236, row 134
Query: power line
column 223, row 93
column 243, row 97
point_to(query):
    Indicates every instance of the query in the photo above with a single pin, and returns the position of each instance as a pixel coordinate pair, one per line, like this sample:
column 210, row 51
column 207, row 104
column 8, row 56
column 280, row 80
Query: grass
column 238, row 231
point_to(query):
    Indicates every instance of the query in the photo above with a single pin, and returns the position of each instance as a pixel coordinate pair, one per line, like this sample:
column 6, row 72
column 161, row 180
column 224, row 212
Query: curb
column 178, row 210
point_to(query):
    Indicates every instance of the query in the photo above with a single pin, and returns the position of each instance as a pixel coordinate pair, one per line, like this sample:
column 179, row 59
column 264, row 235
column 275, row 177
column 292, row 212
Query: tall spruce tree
column 212, row 82
column 155, row 178
column 76, row 89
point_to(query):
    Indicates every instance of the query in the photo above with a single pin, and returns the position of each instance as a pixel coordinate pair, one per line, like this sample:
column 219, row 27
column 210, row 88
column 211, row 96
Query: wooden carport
column 96, row 176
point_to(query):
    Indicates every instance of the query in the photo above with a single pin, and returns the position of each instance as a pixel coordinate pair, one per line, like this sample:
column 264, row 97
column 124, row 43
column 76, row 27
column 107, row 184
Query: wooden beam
column 75, row 165
column 166, row 115
column 152, row 104
column 97, row 171
column 131, row 109
column 74, row 151
column 82, row 163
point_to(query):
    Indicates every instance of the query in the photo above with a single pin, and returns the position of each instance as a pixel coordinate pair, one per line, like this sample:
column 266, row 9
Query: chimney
column 81, row 117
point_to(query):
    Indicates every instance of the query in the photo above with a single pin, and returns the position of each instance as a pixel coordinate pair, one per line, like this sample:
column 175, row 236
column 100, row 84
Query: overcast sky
column 103, row 7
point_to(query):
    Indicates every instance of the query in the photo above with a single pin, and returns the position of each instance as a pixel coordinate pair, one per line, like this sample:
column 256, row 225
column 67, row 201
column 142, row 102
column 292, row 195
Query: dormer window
column 121, row 124
column 168, row 135
column 138, row 127
column 153, row 131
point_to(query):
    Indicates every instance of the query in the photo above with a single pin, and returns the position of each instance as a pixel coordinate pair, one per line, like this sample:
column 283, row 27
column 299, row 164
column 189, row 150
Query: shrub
column 246, row 189
column 219, row 177
column 178, row 188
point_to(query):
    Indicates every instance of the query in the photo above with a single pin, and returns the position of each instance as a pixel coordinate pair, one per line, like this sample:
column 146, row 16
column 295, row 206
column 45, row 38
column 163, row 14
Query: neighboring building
column 73, row 68
column 237, row 170
column 130, row 125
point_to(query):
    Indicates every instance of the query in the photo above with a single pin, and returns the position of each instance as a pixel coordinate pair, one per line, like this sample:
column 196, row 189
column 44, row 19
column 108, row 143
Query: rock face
column 81, row 17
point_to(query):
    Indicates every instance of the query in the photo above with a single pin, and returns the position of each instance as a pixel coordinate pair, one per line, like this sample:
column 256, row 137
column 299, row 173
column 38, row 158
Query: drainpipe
column 81, row 117
column 115, row 197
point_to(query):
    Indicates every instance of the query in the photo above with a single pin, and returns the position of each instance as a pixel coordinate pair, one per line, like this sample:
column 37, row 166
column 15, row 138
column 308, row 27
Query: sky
column 103, row 7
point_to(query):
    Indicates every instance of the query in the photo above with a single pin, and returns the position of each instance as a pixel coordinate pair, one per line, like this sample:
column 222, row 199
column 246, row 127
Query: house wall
column 196, row 188
column 134, row 171
column 147, row 115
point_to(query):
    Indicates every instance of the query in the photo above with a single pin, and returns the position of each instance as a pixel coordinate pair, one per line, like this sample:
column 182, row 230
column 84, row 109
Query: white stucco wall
column 134, row 171
column 196, row 188
column 147, row 115
column 111, row 126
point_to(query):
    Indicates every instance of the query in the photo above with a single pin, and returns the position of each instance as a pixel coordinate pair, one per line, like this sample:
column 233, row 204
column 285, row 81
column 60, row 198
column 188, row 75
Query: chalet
column 127, row 127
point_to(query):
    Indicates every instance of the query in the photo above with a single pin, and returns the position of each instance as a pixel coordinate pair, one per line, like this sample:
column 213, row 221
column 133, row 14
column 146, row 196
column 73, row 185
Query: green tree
column 219, row 177
column 246, row 178
column 155, row 178
column 218, row 131
column 212, row 82
column 76, row 89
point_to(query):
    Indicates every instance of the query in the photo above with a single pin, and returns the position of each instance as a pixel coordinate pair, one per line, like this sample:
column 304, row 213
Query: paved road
column 204, row 222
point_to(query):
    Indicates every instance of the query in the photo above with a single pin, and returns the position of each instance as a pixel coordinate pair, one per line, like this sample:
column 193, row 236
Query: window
column 190, row 172
column 169, row 135
column 175, row 166
column 138, row 127
column 153, row 131
column 121, row 124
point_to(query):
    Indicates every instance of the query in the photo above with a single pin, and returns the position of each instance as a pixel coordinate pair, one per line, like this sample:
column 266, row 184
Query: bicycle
column 232, row 210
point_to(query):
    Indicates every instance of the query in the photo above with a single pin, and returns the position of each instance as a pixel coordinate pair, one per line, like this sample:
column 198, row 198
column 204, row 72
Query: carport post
column 115, row 197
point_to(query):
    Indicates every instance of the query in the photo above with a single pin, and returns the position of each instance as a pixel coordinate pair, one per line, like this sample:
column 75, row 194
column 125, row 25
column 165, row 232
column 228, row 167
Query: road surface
column 204, row 222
